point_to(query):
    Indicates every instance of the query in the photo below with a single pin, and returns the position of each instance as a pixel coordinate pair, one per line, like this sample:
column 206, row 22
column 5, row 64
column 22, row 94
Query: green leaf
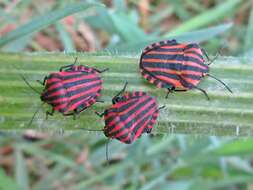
column 7, row 183
column 116, row 22
column 236, row 147
column 203, row 34
column 126, row 28
column 188, row 112
column 44, row 21
column 209, row 16
column 195, row 36
column 21, row 171
column 249, row 33
column 65, row 38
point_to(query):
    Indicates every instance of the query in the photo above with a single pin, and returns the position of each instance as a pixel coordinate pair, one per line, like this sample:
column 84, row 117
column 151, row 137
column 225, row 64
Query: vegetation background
column 123, row 27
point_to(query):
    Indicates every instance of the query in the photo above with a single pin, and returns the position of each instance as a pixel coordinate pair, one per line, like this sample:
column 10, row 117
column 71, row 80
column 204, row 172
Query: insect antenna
column 35, row 113
column 220, row 82
column 122, row 91
column 28, row 84
column 75, row 60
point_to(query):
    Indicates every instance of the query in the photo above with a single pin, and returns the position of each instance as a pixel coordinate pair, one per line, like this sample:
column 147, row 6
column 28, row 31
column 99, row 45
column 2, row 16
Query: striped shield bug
column 175, row 66
column 71, row 90
column 130, row 115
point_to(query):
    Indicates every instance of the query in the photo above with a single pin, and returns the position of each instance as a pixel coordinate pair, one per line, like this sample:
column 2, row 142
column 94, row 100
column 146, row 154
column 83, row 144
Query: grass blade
column 195, row 36
column 238, row 147
column 203, row 34
column 210, row 16
column 7, row 183
column 249, row 35
column 189, row 112
column 43, row 21
column 21, row 171
column 65, row 38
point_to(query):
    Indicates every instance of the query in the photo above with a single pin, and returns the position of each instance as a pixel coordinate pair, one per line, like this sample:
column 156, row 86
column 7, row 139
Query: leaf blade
column 43, row 21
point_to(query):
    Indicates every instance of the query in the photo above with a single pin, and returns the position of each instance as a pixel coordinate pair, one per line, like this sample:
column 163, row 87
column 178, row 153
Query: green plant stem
column 185, row 112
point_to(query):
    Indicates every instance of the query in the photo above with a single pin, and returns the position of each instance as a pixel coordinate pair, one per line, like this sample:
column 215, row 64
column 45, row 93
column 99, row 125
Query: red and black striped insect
column 175, row 66
column 71, row 90
column 130, row 115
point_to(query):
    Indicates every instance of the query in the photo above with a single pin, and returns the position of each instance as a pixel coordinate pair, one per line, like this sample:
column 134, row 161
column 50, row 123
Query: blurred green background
column 159, row 161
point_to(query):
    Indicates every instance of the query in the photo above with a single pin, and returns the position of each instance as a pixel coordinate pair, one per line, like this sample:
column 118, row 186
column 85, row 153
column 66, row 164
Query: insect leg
column 210, row 61
column 44, row 81
column 49, row 113
column 170, row 90
column 68, row 66
column 99, row 114
column 205, row 53
column 74, row 114
column 200, row 89
column 101, row 71
column 162, row 107
column 215, row 57
column 167, row 95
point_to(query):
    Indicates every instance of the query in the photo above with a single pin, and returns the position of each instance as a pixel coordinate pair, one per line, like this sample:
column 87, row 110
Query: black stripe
column 72, row 70
column 51, row 76
column 160, row 49
column 48, row 92
column 54, row 98
column 141, row 114
column 176, row 57
column 80, row 90
column 129, row 124
column 78, row 81
column 131, row 96
column 137, row 94
column 120, row 109
column 175, row 76
column 161, row 43
column 51, row 84
column 72, row 93
column 68, row 85
column 74, row 75
column 194, row 77
column 82, row 97
column 157, row 80
column 193, row 45
column 195, row 53
column 133, row 133
column 172, row 66
column 129, row 113
column 168, row 75
column 187, row 84
column 62, row 109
